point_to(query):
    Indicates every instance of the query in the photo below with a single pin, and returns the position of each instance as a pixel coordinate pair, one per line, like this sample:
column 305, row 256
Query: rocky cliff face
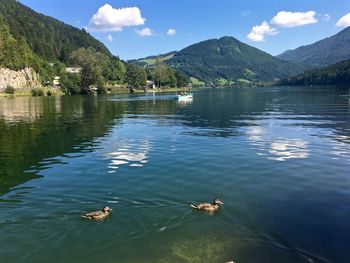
column 21, row 80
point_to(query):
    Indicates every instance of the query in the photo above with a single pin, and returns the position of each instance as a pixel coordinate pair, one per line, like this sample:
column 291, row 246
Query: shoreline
column 16, row 94
column 138, row 91
column 115, row 92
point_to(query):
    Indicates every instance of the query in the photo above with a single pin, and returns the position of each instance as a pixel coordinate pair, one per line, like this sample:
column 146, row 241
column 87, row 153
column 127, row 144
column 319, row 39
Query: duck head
column 217, row 202
column 106, row 209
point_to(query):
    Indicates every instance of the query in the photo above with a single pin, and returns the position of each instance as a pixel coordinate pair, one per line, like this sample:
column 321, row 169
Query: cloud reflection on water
column 134, row 154
column 277, row 148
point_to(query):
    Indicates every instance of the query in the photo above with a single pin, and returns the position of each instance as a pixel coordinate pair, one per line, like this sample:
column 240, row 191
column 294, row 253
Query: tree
column 167, row 76
column 136, row 76
column 158, row 72
column 170, row 78
column 93, row 64
column 70, row 84
column 182, row 80
column 115, row 71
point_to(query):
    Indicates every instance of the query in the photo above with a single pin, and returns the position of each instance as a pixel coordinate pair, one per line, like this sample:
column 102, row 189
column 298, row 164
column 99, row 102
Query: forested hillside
column 338, row 73
column 16, row 54
column 49, row 38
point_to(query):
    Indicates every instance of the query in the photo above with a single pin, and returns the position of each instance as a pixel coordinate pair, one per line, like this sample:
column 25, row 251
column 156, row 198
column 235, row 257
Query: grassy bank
column 16, row 94
column 34, row 92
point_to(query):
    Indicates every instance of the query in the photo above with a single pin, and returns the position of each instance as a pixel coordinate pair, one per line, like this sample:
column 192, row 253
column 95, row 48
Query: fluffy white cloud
column 293, row 19
column 146, row 32
column 258, row 33
column 171, row 32
column 344, row 21
column 283, row 19
column 108, row 18
column 109, row 38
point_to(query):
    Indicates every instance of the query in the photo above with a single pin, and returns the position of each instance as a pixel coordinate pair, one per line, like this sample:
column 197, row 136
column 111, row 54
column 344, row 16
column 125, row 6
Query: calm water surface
column 278, row 157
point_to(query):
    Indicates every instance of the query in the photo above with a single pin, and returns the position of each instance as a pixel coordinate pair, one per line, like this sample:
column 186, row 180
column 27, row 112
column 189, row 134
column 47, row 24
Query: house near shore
column 150, row 84
column 56, row 81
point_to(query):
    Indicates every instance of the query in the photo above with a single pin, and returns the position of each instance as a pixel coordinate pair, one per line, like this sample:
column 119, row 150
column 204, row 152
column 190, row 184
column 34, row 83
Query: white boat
column 187, row 96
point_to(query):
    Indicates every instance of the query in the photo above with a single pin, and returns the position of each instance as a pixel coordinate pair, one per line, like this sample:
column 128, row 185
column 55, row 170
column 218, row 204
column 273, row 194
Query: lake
column 279, row 158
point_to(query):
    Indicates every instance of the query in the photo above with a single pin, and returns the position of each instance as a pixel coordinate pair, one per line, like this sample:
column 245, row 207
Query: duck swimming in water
column 98, row 215
column 207, row 207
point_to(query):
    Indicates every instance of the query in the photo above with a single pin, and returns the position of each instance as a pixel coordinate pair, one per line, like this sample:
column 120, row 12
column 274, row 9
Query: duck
column 207, row 207
column 98, row 215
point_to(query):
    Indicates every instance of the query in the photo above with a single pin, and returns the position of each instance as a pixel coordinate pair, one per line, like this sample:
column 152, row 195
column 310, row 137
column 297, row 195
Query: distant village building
column 56, row 81
column 74, row 70
column 150, row 84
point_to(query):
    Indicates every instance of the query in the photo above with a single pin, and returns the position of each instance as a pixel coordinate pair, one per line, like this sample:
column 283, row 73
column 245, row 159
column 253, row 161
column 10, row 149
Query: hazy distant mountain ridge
column 324, row 52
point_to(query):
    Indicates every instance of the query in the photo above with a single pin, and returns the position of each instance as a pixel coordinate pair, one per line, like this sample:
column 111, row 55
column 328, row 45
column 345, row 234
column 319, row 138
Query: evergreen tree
column 136, row 76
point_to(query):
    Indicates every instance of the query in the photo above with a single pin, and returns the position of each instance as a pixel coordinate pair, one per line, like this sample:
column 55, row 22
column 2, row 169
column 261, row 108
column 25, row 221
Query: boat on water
column 185, row 96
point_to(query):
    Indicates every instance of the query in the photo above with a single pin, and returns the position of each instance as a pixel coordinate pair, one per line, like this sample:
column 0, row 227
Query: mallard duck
column 208, row 207
column 98, row 215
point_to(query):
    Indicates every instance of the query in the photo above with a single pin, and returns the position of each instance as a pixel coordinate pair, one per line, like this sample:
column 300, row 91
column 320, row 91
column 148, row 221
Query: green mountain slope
column 336, row 74
column 228, row 59
column 324, row 52
column 151, row 60
column 16, row 54
column 49, row 38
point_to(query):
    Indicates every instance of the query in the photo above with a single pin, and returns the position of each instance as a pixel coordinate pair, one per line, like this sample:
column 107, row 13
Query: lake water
column 279, row 158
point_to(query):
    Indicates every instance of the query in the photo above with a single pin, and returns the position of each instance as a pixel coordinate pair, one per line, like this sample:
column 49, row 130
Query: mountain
column 49, row 38
column 335, row 74
column 227, row 59
column 151, row 60
column 324, row 52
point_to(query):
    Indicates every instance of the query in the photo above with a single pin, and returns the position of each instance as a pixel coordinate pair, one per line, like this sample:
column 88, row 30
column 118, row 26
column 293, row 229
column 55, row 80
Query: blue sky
column 142, row 30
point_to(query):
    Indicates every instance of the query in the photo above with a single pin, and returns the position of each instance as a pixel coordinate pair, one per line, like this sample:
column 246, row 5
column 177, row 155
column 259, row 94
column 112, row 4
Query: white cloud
column 294, row 19
column 109, row 38
column 326, row 17
column 146, row 32
column 171, row 32
column 344, row 21
column 283, row 19
column 109, row 19
column 258, row 33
